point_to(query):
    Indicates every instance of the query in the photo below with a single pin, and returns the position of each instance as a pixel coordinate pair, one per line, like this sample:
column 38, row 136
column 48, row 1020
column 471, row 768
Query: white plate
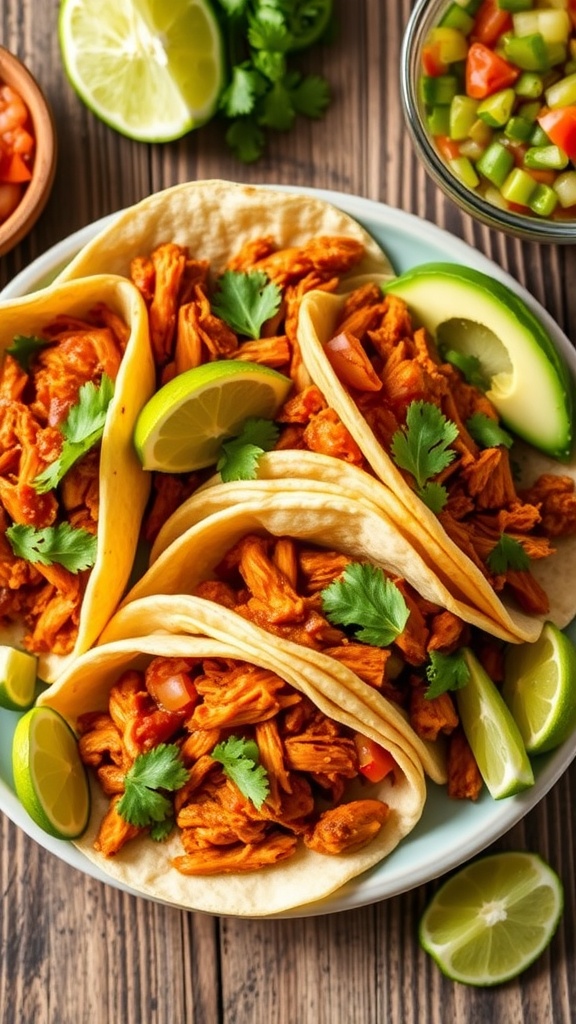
column 449, row 831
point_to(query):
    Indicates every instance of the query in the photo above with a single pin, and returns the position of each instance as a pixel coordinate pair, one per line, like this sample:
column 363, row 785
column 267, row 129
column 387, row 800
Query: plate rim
column 366, row 889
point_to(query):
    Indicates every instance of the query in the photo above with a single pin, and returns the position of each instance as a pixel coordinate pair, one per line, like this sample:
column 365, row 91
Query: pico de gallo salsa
column 17, row 145
column 498, row 83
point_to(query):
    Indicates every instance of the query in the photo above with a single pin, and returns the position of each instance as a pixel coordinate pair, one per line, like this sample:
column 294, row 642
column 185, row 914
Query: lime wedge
column 493, row 918
column 183, row 425
column 492, row 734
column 150, row 69
column 50, row 779
column 17, row 679
column 540, row 689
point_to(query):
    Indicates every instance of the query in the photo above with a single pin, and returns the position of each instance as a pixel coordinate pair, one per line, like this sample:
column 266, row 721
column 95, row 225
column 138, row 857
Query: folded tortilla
column 215, row 219
column 217, row 517
column 123, row 487
column 306, row 876
column 317, row 320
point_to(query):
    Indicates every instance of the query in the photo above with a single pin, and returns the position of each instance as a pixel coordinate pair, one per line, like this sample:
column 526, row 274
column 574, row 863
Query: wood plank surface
column 74, row 951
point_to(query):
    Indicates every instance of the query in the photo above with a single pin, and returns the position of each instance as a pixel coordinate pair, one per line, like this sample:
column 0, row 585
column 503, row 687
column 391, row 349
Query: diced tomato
column 487, row 72
column 13, row 168
column 447, row 147
column 148, row 730
column 490, row 22
column 351, row 364
column 432, row 64
column 560, row 127
column 374, row 761
column 169, row 683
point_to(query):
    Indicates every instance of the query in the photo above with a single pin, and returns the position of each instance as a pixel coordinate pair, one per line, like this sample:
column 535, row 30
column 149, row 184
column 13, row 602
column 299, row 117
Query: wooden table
column 74, row 951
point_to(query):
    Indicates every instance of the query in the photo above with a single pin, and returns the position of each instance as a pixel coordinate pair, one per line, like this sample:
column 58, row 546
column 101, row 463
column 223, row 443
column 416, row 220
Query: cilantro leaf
column 240, row 763
column 25, row 347
column 277, row 110
column 63, row 544
column 240, row 95
column 508, row 553
column 246, row 300
column 311, row 96
column 160, row 830
column 160, row 768
column 422, row 446
column 446, row 672
column 240, row 455
column 268, row 30
column 488, row 432
column 82, row 429
column 470, row 367
column 234, row 8
column 246, row 139
column 434, row 496
column 365, row 598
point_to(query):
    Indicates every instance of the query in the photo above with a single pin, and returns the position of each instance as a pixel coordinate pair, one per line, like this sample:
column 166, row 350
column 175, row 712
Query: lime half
column 183, row 425
column 50, row 779
column 17, row 679
column 540, row 689
column 492, row 734
column 150, row 69
column 493, row 918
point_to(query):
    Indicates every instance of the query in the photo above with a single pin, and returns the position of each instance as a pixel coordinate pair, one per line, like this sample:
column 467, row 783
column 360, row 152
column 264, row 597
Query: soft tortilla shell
column 124, row 487
column 222, row 515
column 307, row 876
column 317, row 319
column 214, row 219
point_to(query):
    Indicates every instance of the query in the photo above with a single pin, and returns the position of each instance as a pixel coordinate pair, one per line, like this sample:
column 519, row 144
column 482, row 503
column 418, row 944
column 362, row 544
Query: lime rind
column 493, row 734
column 18, row 677
column 493, row 918
column 49, row 778
column 540, row 689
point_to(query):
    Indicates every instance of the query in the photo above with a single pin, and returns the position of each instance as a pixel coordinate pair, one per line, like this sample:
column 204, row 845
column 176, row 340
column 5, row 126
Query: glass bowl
column 35, row 195
column 427, row 14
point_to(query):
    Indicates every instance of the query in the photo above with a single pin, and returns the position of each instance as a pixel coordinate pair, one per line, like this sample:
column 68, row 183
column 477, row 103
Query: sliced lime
column 183, row 425
column 492, row 734
column 493, row 918
column 17, row 679
column 150, row 69
column 540, row 689
column 49, row 777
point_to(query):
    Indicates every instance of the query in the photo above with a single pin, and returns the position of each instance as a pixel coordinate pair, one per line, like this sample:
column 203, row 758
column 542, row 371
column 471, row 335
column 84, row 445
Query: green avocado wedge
column 468, row 314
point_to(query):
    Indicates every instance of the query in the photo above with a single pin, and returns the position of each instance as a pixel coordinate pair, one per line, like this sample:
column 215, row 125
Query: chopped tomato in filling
column 309, row 761
column 34, row 402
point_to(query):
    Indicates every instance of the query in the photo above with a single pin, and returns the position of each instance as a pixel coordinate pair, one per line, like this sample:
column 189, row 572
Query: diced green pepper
column 546, row 158
column 556, row 53
column 495, row 110
column 462, row 116
column 538, row 137
column 529, row 85
column 515, row 5
column 565, row 188
column 529, row 53
column 562, row 93
column 518, row 187
column 529, row 110
column 543, row 201
column 495, row 164
column 463, row 168
column 457, row 17
column 519, row 129
column 440, row 89
column 450, row 44
column 438, row 120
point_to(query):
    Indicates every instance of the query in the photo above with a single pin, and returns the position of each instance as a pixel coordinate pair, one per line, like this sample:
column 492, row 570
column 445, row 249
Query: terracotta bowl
column 35, row 196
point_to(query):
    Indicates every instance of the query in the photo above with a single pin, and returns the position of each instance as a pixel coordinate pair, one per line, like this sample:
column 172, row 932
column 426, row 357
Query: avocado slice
column 472, row 314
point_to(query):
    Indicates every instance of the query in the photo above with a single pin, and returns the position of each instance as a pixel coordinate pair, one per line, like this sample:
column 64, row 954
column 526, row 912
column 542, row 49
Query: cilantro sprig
column 446, row 672
column 240, row 760
column 81, row 430
column 265, row 90
column 24, row 347
column 507, row 553
column 241, row 454
column 71, row 547
column 422, row 448
column 487, row 432
column 143, row 803
column 245, row 300
column 364, row 598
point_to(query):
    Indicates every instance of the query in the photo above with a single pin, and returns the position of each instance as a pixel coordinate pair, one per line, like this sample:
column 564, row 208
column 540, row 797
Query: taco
column 322, row 577
column 503, row 545
column 270, row 808
column 75, row 370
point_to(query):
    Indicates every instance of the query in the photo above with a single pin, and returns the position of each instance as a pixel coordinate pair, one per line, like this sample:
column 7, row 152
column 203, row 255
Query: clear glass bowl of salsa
column 481, row 80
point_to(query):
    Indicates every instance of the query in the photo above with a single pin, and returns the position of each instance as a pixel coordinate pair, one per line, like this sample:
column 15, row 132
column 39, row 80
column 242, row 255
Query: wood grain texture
column 73, row 951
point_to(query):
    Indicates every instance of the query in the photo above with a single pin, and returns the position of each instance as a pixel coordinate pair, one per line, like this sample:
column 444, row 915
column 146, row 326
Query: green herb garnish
column 240, row 763
column 446, row 672
column 65, row 545
column 158, row 769
column 508, row 553
column 81, row 430
column 487, row 432
column 422, row 448
column 246, row 300
column 470, row 367
column 240, row 455
column 363, row 597
column 24, row 347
